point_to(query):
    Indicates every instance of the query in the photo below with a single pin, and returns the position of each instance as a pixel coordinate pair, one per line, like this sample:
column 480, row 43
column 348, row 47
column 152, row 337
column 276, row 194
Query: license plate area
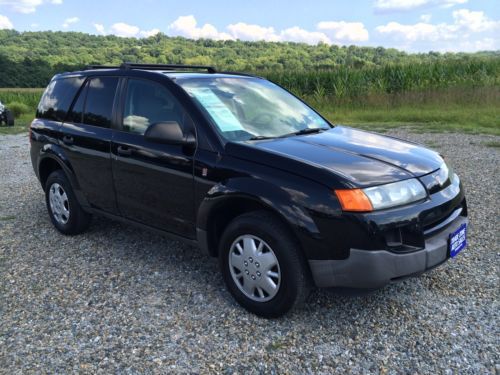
column 458, row 240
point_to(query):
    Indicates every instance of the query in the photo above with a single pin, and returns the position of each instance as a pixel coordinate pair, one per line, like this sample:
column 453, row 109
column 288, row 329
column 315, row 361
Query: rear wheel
column 64, row 210
column 262, row 265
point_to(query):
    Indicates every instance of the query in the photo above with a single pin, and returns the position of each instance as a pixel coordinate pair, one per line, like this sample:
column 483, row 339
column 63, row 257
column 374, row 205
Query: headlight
column 395, row 194
column 383, row 196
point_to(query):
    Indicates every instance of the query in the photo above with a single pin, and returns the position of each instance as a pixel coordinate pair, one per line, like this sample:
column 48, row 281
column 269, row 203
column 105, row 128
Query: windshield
column 252, row 108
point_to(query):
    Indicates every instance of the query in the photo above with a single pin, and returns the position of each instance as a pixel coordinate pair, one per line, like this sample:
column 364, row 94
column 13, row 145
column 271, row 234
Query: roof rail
column 128, row 65
column 90, row 67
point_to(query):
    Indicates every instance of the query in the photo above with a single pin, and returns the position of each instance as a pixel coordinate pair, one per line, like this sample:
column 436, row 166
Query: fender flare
column 56, row 153
column 282, row 202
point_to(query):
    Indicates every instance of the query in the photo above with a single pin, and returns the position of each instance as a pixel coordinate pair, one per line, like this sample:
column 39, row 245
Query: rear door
column 87, row 140
column 51, row 112
column 153, row 182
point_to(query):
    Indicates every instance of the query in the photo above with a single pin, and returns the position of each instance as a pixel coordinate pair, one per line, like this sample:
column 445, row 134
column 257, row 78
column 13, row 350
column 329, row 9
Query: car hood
column 353, row 157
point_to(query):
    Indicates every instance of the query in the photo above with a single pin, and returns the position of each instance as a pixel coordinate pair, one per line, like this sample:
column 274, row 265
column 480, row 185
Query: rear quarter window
column 99, row 101
column 58, row 97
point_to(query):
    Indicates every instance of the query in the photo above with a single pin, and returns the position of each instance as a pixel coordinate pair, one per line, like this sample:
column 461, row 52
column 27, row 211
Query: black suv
column 249, row 173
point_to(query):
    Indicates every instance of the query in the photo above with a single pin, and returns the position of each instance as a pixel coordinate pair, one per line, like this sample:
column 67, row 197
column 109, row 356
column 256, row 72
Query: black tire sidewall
column 73, row 223
column 285, row 250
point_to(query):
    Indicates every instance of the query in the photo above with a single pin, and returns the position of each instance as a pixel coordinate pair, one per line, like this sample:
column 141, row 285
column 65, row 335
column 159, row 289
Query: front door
column 153, row 182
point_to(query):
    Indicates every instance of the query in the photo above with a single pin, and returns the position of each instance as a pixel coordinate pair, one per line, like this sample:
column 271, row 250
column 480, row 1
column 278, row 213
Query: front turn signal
column 354, row 200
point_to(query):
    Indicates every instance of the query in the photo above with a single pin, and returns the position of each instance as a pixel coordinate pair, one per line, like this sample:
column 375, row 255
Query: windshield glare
column 249, row 108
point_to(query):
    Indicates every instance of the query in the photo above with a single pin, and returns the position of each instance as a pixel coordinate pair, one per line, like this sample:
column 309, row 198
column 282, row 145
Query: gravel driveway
column 120, row 299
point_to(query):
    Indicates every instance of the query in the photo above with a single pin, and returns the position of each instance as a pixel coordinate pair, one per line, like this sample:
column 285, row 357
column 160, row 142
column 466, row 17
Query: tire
column 9, row 118
column 64, row 210
column 293, row 284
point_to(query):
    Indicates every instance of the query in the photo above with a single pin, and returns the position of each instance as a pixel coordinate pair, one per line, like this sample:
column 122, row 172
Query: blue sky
column 412, row 25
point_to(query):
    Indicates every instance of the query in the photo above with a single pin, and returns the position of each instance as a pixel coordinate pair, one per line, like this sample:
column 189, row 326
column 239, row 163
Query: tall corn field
column 348, row 84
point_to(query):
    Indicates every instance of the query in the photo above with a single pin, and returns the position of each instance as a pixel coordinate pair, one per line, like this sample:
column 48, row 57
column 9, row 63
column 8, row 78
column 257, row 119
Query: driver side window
column 147, row 103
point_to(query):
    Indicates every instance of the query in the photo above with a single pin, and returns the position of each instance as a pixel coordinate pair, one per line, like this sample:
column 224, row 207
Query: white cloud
column 5, row 23
column 245, row 31
column 345, row 31
column 485, row 44
column 70, row 21
column 148, row 33
column 26, row 6
column 474, row 21
column 451, row 3
column 326, row 32
column 416, row 32
column 296, row 34
column 100, row 28
column 426, row 18
column 459, row 35
column 22, row 6
column 124, row 30
column 406, row 5
column 187, row 26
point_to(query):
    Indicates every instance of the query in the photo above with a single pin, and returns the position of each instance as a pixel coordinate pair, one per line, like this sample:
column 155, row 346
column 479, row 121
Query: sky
column 410, row 25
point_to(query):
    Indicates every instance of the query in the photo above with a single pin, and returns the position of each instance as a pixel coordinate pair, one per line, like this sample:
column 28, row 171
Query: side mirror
column 168, row 132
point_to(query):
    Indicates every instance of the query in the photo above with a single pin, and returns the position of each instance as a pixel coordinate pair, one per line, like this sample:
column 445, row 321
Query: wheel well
column 47, row 166
column 225, row 212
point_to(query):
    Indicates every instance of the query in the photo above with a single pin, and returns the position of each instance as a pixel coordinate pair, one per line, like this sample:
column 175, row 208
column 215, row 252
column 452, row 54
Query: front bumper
column 375, row 268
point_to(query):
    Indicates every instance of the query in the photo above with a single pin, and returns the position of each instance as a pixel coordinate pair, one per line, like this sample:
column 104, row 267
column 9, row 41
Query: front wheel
column 262, row 265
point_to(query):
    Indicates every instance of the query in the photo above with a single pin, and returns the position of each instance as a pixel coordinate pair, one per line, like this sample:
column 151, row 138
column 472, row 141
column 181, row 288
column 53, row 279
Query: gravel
column 120, row 299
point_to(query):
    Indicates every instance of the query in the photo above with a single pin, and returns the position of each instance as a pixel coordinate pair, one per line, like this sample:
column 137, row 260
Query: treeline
column 30, row 59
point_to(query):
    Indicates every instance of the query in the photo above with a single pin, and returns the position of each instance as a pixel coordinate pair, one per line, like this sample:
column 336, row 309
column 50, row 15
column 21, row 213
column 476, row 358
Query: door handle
column 68, row 140
column 124, row 151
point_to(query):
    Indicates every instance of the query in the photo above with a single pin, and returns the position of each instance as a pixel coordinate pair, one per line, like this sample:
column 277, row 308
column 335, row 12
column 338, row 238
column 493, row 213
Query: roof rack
column 127, row 65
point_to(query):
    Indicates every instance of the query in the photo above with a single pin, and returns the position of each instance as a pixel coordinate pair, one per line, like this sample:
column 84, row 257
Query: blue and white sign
column 221, row 114
column 458, row 240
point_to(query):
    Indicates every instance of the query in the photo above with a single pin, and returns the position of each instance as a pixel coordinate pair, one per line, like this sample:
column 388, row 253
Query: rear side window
column 57, row 98
column 76, row 113
column 99, row 101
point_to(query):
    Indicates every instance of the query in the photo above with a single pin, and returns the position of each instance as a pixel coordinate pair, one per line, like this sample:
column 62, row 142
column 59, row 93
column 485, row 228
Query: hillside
column 29, row 59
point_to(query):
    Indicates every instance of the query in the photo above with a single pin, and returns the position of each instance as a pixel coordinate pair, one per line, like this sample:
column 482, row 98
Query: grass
column 466, row 110
column 458, row 109
column 464, row 119
column 21, row 124
column 7, row 218
column 494, row 144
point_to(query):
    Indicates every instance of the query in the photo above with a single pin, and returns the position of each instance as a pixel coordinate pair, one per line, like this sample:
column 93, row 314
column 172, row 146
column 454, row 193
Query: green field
column 28, row 97
column 470, row 110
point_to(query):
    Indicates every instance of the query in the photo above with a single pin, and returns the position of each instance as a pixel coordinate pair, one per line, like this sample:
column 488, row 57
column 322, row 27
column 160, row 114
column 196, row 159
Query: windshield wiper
column 304, row 131
column 259, row 137
column 299, row 132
